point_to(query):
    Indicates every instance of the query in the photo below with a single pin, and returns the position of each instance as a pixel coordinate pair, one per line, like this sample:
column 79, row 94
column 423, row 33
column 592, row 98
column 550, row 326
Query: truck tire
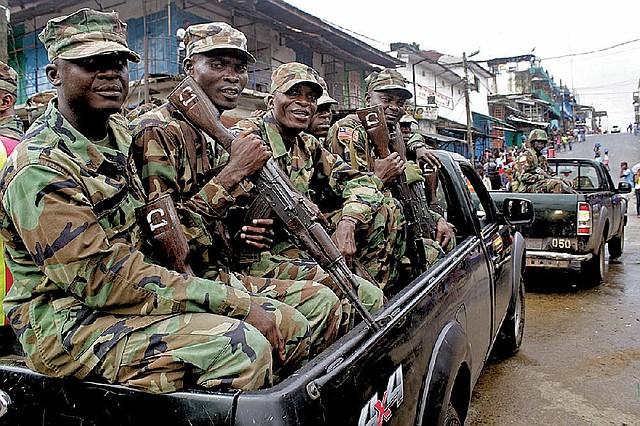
column 452, row 418
column 512, row 329
column 593, row 269
column 616, row 246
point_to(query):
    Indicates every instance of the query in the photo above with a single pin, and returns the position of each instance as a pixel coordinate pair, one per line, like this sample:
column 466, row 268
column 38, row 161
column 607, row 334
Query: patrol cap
column 8, row 79
column 387, row 79
column 288, row 75
column 203, row 38
column 408, row 119
column 325, row 99
column 86, row 33
column 538, row 135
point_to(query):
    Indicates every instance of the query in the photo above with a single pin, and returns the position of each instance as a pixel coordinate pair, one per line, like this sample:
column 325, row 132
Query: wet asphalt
column 580, row 360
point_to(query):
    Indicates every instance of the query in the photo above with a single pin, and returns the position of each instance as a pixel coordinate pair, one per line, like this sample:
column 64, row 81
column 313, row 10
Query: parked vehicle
column 436, row 333
column 615, row 129
column 571, row 230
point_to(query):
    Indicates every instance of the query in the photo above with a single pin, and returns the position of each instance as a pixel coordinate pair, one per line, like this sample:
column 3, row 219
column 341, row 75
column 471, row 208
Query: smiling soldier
column 175, row 157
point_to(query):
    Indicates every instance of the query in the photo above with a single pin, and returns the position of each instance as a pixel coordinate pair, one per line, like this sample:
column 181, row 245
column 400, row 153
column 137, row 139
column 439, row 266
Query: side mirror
column 624, row 187
column 517, row 211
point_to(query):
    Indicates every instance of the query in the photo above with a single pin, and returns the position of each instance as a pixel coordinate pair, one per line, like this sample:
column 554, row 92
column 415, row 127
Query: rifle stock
column 161, row 224
column 412, row 196
column 277, row 191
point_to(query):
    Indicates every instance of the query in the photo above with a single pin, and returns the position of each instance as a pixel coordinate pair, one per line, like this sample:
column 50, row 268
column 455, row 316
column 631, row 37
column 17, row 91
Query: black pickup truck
column 435, row 335
column 571, row 230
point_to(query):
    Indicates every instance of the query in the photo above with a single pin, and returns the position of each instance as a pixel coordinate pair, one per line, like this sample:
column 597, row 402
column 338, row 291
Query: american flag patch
column 345, row 133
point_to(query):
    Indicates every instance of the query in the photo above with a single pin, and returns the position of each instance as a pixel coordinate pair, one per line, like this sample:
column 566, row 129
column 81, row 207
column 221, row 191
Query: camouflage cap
column 288, row 75
column 85, row 33
column 325, row 98
column 408, row 119
column 8, row 79
column 538, row 135
column 202, row 38
column 387, row 79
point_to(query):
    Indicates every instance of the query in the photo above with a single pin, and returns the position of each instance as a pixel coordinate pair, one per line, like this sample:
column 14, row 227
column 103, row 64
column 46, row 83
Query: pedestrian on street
column 637, row 191
column 625, row 174
column 182, row 51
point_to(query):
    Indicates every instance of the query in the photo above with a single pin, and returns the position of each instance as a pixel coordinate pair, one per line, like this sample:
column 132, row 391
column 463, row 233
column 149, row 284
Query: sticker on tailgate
column 378, row 410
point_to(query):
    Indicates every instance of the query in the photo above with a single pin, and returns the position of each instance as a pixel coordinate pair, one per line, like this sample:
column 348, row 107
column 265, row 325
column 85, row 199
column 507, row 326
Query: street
column 580, row 359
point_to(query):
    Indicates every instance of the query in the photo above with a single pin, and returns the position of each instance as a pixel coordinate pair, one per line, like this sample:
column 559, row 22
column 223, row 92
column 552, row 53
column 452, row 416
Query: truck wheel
column 593, row 269
column 452, row 418
column 616, row 246
column 512, row 330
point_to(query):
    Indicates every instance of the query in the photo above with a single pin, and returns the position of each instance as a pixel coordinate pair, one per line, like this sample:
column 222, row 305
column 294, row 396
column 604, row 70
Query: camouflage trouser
column 299, row 284
column 548, row 186
column 207, row 350
column 381, row 243
column 295, row 264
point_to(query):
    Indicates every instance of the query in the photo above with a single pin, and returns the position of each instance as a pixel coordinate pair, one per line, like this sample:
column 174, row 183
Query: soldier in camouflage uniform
column 295, row 89
column 321, row 120
column 85, row 299
column 349, row 139
column 532, row 172
column 10, row 124
column 174, row 157
column 10, row 135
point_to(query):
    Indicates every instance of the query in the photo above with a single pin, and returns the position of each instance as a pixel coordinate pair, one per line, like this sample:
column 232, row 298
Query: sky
column 592, row 47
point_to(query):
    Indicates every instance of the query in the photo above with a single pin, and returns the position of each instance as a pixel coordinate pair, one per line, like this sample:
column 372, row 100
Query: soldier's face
column 222, row 76
column 294, row 109
column 393, row 103
column 97, row 84
column 539, row 145
column 321, row 121
column 406, row 133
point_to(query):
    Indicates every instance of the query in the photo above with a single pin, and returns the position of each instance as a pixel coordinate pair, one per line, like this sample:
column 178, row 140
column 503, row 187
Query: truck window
column 584, row 177
column 481, row 201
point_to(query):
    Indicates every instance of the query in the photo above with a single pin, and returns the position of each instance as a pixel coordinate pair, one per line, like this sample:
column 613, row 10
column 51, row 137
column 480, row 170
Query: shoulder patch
column 345, row 133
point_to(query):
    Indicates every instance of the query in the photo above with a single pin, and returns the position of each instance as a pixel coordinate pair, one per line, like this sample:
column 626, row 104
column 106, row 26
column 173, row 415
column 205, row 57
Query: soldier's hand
column 344, row 237
column 248, row 155
column 427, row 159
column 266, row 324
column 388, row 169
column 259, row 234
column 444, row 233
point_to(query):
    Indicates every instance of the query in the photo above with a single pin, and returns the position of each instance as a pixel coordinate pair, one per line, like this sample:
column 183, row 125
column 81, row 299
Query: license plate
column 535, row 243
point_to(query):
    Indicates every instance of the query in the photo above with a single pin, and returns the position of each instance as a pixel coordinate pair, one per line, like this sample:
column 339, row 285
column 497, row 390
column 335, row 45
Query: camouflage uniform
column 84, row 299
column 315, row 172
column 312, row 169
column 160, row 141
column 172, row 156
column 10, row 134
column 348, row 138
column 528, row 176
column 11, row 127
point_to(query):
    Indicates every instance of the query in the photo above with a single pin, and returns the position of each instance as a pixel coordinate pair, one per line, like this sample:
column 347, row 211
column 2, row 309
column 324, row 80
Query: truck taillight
column 584, row 218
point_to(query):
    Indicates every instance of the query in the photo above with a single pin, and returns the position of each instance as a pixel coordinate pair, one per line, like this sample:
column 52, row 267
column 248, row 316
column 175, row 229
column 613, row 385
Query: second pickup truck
column 571, row 230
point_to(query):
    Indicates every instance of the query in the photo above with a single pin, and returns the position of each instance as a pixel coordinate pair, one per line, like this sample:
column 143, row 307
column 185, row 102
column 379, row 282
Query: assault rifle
column 413, row 197
column 276, row 190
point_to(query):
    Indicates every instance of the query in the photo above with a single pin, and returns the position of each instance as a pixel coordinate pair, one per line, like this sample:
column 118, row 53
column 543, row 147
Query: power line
column 570, row 55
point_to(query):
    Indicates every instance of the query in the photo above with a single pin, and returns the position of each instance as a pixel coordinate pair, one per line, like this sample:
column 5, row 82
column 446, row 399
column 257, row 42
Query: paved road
column 580, row 360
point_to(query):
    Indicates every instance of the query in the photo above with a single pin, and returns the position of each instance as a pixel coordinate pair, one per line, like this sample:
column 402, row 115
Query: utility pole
column 467, row 106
